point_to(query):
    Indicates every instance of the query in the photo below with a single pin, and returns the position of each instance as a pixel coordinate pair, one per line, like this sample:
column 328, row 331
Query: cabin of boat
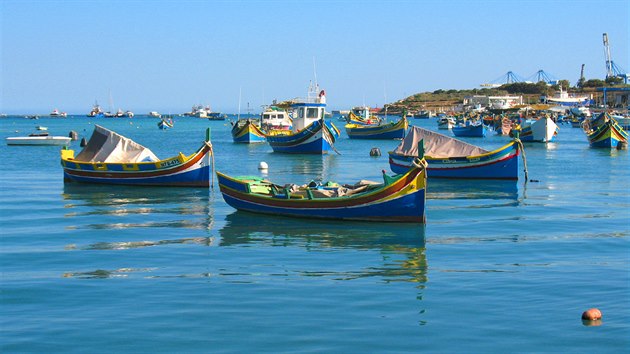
column 274, row 118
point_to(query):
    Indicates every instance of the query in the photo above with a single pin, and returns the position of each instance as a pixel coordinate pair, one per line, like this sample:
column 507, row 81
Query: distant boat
column 470, row 129
column 38, row 139
column 110, row 158
column 247, row 131
column 165, row 123
column 448, row 157
column 605, row 132
column 154, row 114
column 541, row 130
column 424, row 114
column 311, row 133
column 563, row 98
column 56, row 113
column 216, row 116
column 446, row 122
column 96, row 111
column 392, row 130
column 40, row 127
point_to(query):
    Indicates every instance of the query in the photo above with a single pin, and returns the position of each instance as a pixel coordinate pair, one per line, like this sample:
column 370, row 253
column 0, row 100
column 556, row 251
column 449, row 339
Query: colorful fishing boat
column 392, row 130
column 247, row 131
column 310, row 133
column 362, row 116
column 605, row 132
column 448, row 157
column 110, row 158
column 165, row 123
column 470, row 129
column 541, row 130
column 446, row 122
column 399, row 198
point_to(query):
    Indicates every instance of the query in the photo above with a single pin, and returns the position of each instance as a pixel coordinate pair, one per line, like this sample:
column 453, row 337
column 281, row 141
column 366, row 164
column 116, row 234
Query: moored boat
column 247, row 131
column 165, row 123
column 470, row 129
column 542, row 130
column 605, row 132
column 392, row 130
column 38, row 139
column 110, row 158
column 56, row 113
column 310, row 133
column 399, row 198
column 448, row 157
column 446, row 122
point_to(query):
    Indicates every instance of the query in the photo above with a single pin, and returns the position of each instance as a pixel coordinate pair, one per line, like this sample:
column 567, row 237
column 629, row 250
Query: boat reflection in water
column 123, row 207
column 401, row 246
column 472, row 189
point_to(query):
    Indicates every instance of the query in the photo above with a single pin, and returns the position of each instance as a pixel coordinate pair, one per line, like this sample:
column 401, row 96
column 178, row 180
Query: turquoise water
column 500, row 267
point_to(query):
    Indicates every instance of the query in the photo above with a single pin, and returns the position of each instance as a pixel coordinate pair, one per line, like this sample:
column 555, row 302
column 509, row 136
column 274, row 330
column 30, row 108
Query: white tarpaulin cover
column 435, row 145
column 108, row 146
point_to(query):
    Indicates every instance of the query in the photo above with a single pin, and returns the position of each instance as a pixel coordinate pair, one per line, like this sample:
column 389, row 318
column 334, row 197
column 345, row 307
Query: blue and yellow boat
column 310, row 133
column 400, row 198
column 605, row 132
column 448, row 157
column 110, row 158
column 247, row 131
column 392, row 130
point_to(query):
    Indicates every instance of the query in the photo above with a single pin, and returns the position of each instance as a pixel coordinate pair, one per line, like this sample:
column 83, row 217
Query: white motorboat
column 39, row 139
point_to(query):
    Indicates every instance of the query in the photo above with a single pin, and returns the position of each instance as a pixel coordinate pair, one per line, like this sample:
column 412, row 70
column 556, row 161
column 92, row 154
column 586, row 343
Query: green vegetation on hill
column 531, row 92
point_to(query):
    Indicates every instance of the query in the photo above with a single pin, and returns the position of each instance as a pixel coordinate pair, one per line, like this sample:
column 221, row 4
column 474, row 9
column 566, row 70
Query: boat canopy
column 435, row 145
column 107, row 146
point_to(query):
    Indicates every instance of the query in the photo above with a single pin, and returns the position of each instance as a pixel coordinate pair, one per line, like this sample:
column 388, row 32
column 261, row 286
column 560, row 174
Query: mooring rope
column 522, row 148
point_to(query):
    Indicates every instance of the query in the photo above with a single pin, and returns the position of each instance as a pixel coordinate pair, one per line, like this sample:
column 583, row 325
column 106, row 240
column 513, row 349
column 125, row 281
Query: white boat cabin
column 310, row 110
column 276, row 119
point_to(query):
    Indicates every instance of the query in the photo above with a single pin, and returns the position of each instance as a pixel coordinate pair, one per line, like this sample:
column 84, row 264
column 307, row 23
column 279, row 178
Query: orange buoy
column 592, row 315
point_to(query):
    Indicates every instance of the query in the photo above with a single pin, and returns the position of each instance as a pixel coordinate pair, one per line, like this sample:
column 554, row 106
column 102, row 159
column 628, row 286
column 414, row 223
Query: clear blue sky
column 168, row 55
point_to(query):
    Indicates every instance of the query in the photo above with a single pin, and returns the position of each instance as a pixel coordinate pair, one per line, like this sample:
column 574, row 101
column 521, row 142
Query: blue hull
column 499, row 164
column 180, row 179
column 314, row 139
column 478, row 131
column 381, row 212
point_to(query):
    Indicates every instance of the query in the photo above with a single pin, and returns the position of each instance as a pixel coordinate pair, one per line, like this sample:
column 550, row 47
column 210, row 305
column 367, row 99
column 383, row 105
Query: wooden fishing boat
column 470, row 129
column 165, row 123
column 42, row 138
column 605, row 132
column 310, row 133
column 247, row 131
column 392, row 130
column 541, row 130
column 400, row 198
column 446, row 123
column 362, row 116
column 110, row 158
column 448, row 157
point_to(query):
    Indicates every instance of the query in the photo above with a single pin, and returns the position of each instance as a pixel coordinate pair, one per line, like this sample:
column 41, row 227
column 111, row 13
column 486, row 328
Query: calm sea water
column 499, row 267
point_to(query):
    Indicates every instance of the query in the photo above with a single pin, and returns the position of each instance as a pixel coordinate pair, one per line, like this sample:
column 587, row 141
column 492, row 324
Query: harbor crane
column 612, row 70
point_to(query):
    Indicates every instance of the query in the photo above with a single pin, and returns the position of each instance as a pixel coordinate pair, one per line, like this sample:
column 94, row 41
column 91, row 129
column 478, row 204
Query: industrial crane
column 612, row 70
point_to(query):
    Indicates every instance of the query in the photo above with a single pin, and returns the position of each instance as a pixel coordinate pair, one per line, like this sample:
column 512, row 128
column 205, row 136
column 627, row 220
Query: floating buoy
column 622, row 145
column 375, row 152
column 263, row 166
column 74, row 135
column 83, row 142
column 592, row 315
